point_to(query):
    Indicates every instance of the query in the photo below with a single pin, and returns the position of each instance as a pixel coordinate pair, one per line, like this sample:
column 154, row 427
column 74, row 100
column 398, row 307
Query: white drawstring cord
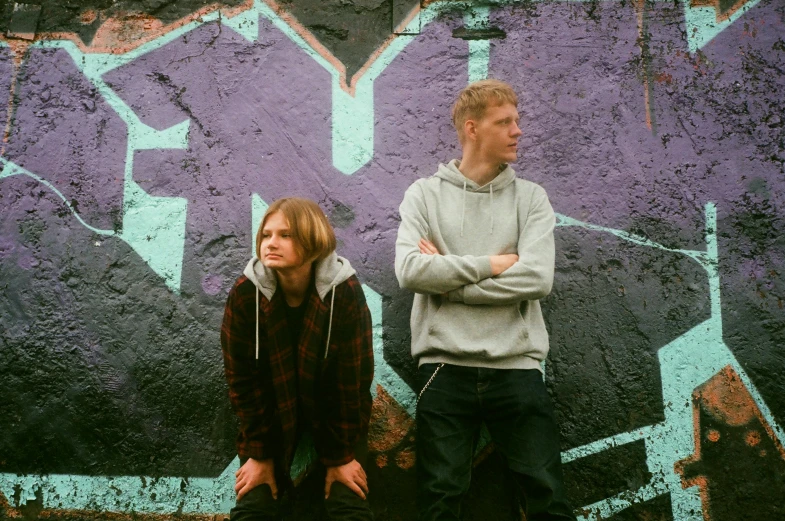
column 257, row 321
column 330, row 326
column 491, row 209
column 463, row 207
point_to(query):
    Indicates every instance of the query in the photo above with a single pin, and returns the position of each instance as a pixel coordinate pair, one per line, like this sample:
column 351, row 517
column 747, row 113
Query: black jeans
column 517, row 410
column 342, row 505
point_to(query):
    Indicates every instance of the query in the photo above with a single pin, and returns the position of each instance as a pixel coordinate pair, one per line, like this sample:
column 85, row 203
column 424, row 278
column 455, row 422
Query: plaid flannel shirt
column 334, row 392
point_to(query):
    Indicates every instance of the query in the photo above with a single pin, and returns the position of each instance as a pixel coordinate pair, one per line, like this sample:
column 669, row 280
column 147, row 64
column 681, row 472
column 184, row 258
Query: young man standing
column 476, row 246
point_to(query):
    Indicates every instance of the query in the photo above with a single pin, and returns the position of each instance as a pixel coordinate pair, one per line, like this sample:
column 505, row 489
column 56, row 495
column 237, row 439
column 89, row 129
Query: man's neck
column 294, row 283
column 481, row 172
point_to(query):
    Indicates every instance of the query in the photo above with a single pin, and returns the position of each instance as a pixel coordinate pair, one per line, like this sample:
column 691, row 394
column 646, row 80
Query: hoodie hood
column 452, row 175
column 330, row 272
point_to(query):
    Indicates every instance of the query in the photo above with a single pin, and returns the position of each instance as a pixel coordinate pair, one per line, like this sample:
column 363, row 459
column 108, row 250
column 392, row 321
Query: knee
column 343, row 501
column 258, row 505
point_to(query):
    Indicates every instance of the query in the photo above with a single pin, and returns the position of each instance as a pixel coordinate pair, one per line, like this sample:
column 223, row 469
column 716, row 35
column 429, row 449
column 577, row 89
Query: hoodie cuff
column 455, row 295
column 257, row 453
column 337, row 460
column 485, row 267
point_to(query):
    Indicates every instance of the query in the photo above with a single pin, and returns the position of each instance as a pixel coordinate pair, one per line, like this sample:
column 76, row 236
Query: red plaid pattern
column 333, row 392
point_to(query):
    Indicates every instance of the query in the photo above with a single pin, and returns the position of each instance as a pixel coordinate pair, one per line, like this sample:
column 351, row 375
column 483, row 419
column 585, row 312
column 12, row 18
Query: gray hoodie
column 461, row 314
column 329, row 273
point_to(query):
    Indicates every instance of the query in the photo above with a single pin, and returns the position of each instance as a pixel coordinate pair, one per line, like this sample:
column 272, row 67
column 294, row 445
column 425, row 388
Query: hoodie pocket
column 481, row 332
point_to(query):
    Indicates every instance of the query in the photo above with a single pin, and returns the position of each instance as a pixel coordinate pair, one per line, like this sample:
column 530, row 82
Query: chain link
column 427, row 384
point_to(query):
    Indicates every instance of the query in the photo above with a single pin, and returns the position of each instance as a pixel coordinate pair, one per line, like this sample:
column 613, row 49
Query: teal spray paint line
column 685, row 363
column 258, row 209
column 479, row 50
column 10, row 169
column 383, row 374
column 703, row 24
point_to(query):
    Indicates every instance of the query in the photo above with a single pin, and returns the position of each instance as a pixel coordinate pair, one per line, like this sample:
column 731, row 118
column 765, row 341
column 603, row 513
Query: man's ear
column 470, row 129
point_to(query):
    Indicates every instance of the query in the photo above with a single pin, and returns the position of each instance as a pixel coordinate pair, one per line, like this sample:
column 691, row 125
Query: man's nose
column 516, row 130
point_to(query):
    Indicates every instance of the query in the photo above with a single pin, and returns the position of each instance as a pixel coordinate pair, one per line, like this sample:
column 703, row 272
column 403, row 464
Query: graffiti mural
column 140, row 150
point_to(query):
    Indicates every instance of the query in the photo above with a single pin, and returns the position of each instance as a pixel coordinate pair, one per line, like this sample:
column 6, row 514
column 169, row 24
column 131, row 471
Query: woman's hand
column 254, row 473
column 352, row 475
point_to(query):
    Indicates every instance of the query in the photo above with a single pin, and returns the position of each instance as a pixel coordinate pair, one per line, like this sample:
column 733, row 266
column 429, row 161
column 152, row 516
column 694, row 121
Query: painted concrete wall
column 144, row 140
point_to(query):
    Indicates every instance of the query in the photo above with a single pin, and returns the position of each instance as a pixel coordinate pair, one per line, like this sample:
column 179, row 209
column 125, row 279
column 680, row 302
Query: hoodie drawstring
column 463, row 207
column 330, row 324
column 491, row 208
column 257, row 323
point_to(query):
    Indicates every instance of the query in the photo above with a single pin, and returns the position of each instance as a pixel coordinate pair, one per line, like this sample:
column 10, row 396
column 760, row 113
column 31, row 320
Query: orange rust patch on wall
column 663, row 77
column 390, row 423
column 405, row 459
column 727, row 424
column 726, row 398
column 18, row 52
column 381, row 461
column 125, row 32
column 752, row 438
column 88, row 17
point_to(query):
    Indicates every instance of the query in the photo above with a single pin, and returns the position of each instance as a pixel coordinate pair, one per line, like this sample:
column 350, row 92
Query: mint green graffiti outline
column 702, row 24
column 685, row 363
column 666, row 443
column 479, row 50
column 10, row 169
column 155, row 226
column 180, row 494
column 353, row 115
column 214, row 494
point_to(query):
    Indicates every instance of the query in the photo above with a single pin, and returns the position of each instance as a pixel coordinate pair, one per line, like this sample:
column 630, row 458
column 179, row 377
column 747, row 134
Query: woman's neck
column 294, row 283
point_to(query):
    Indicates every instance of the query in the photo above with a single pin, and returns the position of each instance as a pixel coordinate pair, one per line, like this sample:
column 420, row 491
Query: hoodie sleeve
column 430, row 274
column 531, row 278
column 250, row 385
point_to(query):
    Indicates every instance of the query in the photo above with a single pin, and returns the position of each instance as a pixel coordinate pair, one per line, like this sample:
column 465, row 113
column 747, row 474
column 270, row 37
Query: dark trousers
column 517, row 410
column 342, row 505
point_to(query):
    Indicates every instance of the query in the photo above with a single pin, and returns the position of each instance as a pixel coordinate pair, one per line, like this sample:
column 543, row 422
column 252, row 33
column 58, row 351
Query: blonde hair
column 313, row 236
column 473, row 101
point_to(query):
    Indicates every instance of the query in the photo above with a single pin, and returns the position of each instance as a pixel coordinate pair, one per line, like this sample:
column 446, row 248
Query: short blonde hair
column 312, row 233
column 473, row 101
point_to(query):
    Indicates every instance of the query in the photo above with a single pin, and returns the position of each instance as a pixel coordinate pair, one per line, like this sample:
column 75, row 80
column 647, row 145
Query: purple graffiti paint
column 6, row 76
column 7, row 246
column 65, row 133
column 212, row 284
column 250, row 132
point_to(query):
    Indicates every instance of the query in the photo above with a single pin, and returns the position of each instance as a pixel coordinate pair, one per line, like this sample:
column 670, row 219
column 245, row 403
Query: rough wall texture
column 143, row 140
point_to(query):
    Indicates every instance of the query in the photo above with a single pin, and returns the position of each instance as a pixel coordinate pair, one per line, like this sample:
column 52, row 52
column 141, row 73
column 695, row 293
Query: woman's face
column 279, row 249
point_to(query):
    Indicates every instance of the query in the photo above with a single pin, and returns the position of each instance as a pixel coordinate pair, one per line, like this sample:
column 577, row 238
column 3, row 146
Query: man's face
column 497, row 134
column 278, row 249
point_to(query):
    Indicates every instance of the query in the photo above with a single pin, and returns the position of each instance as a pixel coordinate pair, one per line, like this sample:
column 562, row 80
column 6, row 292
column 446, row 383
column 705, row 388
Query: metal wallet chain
column 428, row 383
